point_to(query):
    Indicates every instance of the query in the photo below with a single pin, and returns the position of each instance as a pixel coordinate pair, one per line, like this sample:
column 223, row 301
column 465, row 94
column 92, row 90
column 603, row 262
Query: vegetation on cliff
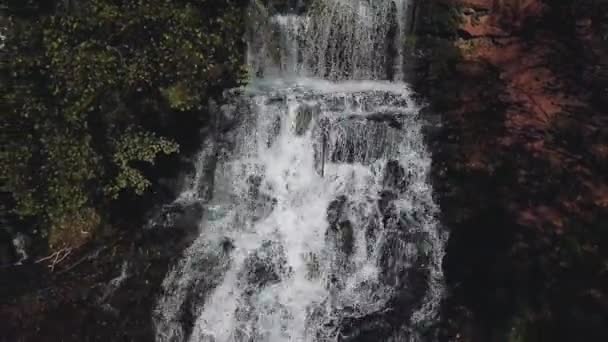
column 89, row 88
column 521, row 87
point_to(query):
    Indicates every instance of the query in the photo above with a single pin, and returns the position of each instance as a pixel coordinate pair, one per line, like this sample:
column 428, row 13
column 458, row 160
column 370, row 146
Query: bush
column 84, row 84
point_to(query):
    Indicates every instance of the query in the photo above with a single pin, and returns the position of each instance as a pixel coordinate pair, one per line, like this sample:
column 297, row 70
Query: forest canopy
column 86, row 88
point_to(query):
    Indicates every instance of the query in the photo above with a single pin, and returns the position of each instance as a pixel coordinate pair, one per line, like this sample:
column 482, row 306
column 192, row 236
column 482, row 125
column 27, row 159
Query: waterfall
column 335, row 39
column 320, row 223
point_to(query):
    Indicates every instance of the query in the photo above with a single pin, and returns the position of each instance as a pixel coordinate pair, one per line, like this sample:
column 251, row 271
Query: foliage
column 84, row 88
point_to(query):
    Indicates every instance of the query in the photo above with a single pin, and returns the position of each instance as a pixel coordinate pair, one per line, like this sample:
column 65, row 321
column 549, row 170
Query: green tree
column 84, row 86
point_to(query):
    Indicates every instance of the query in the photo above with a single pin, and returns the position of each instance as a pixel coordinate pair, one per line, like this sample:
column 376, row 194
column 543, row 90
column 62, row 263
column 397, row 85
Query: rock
column 265, row 266
column 405, row 267
column 369, row 328
column 181, row 216
column 207, row 275
column 335, row 210
column 344, row 236
column 259, row 202
column 359, row 140
column 395, row 178
column 371, row 234
column 303, row 118
column 227, row 245
column 385, row 200
column 340, row 232
column 391, row 119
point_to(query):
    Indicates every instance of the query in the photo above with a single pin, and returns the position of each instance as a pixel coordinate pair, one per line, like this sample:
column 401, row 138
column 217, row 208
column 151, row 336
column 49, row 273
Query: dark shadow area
column 519, row 164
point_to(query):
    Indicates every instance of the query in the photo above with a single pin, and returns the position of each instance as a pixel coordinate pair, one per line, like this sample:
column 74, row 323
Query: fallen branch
column 57, row 257
column 83, row 259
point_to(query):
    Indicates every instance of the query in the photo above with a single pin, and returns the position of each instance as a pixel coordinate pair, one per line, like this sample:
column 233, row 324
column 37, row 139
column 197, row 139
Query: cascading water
column 321, row 224
column 335, row 39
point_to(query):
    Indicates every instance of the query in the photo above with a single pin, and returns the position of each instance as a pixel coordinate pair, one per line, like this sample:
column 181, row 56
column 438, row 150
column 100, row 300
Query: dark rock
column 369, row 328
column 371, row 234
column 209, row 271
column 265, row 266
column 385, row 200
column 344, row 236
column 335, row 210
column 303, row 118
column 391, row 119
column 181, row 216
column 395, row 177
column 227, row 245
column 339, row 235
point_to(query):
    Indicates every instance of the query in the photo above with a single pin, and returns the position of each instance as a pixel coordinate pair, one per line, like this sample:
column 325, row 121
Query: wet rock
column 390, row 119
column 402, row 252
column 344, row 236
column 357, row 140
column 260, row 203
column 404, row 266
column 207, row 274
column 371, row 234
column 392, row 47
column 433, row 126
column 320, row 132
column 369, row 328
column 395, row 176
column 181, row 216
column 265, row 266
column 303, row 118
column 335, row 210
column 388, row 211
column 336, row 104
column 227, row 245
column 340, row 235
column 385, row 200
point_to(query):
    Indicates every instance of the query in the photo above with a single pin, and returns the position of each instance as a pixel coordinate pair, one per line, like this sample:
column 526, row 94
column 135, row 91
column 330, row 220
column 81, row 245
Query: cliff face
column 521, row 164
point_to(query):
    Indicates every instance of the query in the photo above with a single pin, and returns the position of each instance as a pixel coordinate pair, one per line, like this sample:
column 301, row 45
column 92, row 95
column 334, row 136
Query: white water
column 335, row 39
column 321, row 226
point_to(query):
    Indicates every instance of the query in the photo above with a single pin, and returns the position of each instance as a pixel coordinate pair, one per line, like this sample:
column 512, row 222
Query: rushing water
column 319, row 222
